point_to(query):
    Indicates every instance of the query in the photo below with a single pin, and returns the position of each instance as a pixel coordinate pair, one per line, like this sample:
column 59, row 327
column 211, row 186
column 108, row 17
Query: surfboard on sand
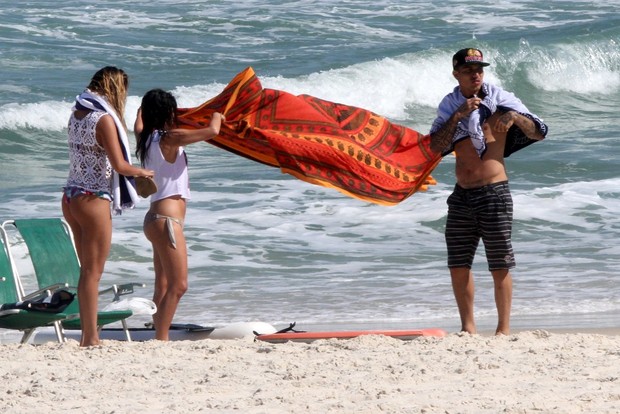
column 189, row 331
column 178, row 332
column 291, row 335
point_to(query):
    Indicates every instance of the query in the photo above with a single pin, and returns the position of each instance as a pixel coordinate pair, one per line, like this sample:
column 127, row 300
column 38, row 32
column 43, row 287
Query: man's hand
column 505, row 121
column 467, row 107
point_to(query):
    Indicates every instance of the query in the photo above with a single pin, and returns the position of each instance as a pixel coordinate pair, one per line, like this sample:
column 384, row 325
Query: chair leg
column 126, row 329
column 60, row 332
column 27, row 335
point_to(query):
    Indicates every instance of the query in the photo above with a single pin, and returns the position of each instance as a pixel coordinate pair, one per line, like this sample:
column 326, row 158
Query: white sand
column 528, row 372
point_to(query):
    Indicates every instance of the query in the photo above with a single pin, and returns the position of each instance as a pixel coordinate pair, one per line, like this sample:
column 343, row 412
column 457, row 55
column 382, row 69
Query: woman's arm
column 107, row 136
column 182, row 137
column 138, row 125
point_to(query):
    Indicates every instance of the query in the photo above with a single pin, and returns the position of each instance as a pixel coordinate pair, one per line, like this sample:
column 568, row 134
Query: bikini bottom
column 150, row 217
column 72, row 191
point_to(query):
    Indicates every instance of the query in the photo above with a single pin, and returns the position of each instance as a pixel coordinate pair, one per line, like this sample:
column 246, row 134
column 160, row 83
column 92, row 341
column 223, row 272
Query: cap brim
column 475, row 63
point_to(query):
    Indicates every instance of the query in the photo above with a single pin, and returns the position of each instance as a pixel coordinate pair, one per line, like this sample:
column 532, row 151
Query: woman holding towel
column 99, row 172
column 160, row 146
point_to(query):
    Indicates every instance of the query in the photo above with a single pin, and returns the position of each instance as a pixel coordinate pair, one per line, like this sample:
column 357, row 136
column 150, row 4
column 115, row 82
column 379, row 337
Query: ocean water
column 265, row 246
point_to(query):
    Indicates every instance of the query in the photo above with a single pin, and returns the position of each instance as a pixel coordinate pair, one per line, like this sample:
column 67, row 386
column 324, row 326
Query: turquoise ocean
column 265, row 246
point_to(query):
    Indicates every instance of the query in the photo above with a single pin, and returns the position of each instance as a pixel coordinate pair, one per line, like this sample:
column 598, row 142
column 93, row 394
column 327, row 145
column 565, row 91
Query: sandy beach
column 527, row 372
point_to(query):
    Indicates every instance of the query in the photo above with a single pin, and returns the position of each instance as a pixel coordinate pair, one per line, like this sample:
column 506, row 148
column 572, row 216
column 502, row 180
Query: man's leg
column 463, row 287
column 497, row 242
column 503, row 300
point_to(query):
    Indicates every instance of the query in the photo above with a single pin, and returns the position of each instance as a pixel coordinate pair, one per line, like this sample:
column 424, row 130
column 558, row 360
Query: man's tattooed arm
column 524, row 123
column 442, row 138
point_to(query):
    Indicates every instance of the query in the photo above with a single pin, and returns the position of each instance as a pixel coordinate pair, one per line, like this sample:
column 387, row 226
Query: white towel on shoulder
column 123, row 188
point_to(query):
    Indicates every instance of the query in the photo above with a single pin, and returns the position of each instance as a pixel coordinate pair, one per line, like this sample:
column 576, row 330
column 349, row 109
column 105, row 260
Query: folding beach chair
column 14, row 310
column 54, row 258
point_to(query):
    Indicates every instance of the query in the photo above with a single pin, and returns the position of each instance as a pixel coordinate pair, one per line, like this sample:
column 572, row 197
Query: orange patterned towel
column 350, row 149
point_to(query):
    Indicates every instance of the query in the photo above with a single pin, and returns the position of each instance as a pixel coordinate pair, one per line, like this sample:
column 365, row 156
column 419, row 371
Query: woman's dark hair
column 159, row 110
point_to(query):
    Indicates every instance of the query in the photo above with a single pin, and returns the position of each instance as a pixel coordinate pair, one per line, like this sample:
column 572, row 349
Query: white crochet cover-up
column 89, row 168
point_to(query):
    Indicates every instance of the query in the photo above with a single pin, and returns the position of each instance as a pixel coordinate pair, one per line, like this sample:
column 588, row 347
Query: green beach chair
column 52, row 252
column 11, row 292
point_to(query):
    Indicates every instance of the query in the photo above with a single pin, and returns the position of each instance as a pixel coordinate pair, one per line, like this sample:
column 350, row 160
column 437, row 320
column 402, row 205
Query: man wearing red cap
column 482, row 124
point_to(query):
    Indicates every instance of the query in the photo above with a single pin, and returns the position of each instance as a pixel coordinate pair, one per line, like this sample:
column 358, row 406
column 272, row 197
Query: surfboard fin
column 287, row 329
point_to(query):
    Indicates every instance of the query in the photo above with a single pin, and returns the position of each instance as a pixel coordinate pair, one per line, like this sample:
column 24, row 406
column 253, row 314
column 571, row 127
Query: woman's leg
column 161, row 284
column 91, row 223
column 170, row 273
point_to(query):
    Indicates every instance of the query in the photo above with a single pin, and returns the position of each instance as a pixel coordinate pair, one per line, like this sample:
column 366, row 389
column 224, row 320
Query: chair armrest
column 120, row 290
column 46, row 291
column 8, row 312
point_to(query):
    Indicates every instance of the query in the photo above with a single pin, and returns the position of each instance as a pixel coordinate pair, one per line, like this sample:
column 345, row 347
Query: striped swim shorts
column 480, row 213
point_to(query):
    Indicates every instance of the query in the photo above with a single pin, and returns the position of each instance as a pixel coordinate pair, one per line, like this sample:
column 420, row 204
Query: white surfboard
column 178, row 332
